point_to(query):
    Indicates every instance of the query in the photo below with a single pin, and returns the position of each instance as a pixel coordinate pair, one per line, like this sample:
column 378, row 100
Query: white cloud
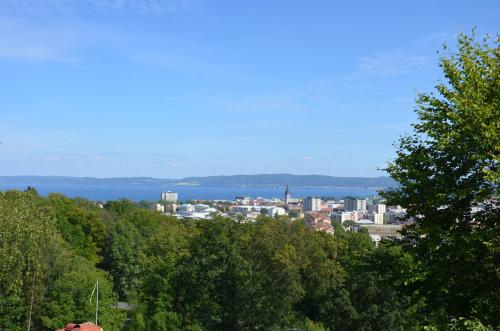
column 310, row 96
column 136, row 6
column 396, row 126
column 58, row 31
column 410, row 58
column 306, row 158
column 72, row 157
column 393, row 62
column 139, row 6
column 21, row 40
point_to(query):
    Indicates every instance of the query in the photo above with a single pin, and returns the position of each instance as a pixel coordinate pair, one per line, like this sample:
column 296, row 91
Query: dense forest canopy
column 276, row 274
column 206, row 274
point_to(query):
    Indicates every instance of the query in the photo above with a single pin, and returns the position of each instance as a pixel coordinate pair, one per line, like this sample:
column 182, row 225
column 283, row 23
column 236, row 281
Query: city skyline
column 172, row 89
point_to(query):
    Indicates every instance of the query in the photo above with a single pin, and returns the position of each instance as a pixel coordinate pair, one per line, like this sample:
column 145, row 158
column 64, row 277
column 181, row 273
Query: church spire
column 287, row 194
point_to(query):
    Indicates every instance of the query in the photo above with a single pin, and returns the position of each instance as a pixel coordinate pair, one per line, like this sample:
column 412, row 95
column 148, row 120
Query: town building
column 201, row 207
column 378, row 208
column 311, row 204
column 193, row 214
column 319, row 221
column 294, row 205
column 376, row 218
column 334, row 205
column 347, row 216
column 382, row 230
column 376, row 239
column 395, row 215
column 354, row 204
column 242, row 200
column 169, row 196
column 288, row 195
column 275, row 211
column 170, row 208
column 158, row 207
column 187, row 207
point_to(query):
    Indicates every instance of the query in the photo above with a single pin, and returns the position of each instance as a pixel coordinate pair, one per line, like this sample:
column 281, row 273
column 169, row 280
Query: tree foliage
column 190, row 275
column 448, row 166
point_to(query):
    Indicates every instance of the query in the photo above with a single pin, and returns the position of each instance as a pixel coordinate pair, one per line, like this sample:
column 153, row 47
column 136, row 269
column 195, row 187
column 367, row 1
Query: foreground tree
column 26, row 227
column 447, row 168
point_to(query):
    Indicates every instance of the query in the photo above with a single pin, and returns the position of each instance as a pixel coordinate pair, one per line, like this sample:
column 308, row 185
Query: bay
column 152, row 192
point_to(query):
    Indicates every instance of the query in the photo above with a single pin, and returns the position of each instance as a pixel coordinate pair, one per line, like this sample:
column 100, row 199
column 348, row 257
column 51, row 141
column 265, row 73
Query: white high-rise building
column 380, row 208
column 169, row 196
column 376, row 218
column 311, row 204
column 354, row 204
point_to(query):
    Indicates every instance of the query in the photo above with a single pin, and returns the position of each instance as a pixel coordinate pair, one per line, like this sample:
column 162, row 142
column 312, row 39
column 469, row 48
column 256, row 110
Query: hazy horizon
column 189, row 176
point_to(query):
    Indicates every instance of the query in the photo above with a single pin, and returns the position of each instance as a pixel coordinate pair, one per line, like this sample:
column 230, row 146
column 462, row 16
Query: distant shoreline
column 270, row 181
column 107, row 191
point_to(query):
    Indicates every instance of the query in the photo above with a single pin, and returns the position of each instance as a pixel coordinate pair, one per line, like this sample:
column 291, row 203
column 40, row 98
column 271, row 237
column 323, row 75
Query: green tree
column 312, row 326
column 68, row 296
column 122, row 206
column 40, row 272
column 124, row 247
column 26, row 228
column 213, row 276
column 276, row 261
column 79, row 224
column 158, row 262
column 449, row 165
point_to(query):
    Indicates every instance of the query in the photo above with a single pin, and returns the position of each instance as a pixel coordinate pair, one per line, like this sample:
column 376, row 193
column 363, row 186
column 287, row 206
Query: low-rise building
column 275, row 211
column 170, row 208
column 343, row 216
column 395, row 215
column 193, row 214
column 158, row 207
column 201, row 207
column 382, row 230
column 241, row 209
column 295, row 205
column 375, row 238
column 187, row 207
column 242, row 200
column 319, row 222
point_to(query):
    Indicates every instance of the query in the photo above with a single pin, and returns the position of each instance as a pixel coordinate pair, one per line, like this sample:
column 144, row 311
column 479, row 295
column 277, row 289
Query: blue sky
column 172, row 88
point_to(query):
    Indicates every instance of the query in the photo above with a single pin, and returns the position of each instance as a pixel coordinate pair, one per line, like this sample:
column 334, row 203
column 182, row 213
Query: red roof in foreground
column 81, row 327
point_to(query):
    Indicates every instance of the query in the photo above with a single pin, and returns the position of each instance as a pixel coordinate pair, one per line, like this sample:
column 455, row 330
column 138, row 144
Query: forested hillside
column 198, row 275
column 194, row 275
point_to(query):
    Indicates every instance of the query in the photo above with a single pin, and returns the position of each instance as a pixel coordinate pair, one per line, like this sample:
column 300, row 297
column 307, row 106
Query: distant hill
column 84, row 180
column 269, row 180
column 262, row 180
